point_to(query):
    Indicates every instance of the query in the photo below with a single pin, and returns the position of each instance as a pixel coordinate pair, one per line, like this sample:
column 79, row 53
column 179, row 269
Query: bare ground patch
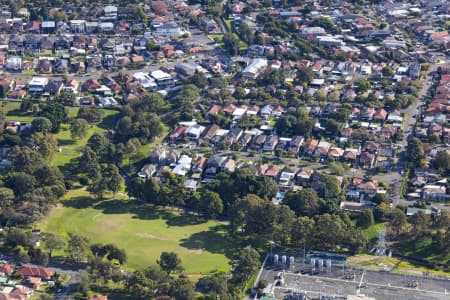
column 151, row 236
column 196, row 251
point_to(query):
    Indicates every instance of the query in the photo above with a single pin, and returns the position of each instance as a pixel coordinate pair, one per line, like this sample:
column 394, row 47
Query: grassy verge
column 218, row 38
column 394, row 265
column 371, row 233
column 422, row 249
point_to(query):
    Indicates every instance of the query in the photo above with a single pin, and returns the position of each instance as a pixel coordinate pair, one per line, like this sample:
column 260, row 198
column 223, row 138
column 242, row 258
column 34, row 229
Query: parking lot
column 340, row 282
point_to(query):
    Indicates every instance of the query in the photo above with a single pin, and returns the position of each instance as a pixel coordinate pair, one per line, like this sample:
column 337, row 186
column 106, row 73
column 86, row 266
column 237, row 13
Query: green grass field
column 375, row 263
column 372, row 232
column 144, row 231
column 218, row 38
column 422, row 249
column 70, row 148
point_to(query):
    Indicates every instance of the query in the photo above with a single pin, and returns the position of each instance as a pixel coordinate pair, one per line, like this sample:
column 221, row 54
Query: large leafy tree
column 304, row 202
column 41, row 124
column 414, row 153
column 52, row 242
column 78, row 248
column 211, row 204
column 79, row 128
column 170, row 262
column 247, row 263
column 56, row 113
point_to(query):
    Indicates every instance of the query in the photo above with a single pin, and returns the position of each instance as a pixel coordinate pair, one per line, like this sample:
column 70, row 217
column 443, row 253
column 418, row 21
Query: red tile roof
column 272, row 171
column 99, row 297
column 214, row 109
column 6, row 269
column 36, row 272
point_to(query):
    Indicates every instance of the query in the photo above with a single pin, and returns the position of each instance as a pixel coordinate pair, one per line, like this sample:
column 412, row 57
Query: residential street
column 394, row 178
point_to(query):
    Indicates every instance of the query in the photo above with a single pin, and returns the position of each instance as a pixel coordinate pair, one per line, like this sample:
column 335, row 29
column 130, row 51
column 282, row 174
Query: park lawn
column 70, row 148
column 11, row 110
column 143, row 231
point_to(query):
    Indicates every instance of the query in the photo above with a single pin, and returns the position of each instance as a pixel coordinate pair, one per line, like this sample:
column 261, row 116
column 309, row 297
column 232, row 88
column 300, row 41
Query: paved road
column 71, row 272
column 394, row 178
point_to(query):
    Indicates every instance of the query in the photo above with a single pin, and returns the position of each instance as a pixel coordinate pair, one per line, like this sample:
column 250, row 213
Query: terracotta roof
column 350, row 154
column 272, row 171
column 6, row 269
column 369, row 185
column 230, row 108
column 99, row 297
column 311, row 144
column 335, row 152
column 380, row 114
column 366, row 157
column 214, row 109
column 35, row 272
column 178, row 132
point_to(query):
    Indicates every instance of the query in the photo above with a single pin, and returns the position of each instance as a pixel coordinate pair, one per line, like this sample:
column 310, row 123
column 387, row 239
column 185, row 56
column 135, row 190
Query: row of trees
column 21, row 244
column 421, row 226
column 31, row 185
column 212, row 200
column 260, row 221
column 245, row 199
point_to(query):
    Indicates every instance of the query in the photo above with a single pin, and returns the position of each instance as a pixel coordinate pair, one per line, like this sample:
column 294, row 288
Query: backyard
column 144, row 231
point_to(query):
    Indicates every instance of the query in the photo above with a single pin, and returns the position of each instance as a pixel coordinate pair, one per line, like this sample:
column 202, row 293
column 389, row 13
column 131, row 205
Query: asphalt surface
column 341, row 283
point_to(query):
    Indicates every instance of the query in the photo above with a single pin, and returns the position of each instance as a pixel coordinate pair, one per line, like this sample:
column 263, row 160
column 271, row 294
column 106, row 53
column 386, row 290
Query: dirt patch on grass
column 196, row 251
column 151, row 236
column 108, row 223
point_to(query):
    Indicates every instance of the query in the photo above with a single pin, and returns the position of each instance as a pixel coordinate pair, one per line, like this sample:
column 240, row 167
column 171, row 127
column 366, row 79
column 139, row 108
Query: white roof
column 221, row 132
column 195, row 129
column 160, row 75
column 77, row 22
column 106, row 25
column 395, row 118
column 318, row 81
column 181, row 170
column 145, row 80
column 238, row 112
column 190, row 183
column 184, row 160
column 256, row 65
column 324, row 144
column 110, row 8
column 103, row 88
column 107, row 101
column 38, row 81
column 17, row 60
column 48, row 24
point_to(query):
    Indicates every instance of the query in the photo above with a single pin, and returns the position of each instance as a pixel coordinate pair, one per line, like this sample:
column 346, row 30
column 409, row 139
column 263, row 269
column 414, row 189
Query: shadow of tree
column 65, row 142
column 143, row 211
column 214, row 240
column 184, row 220
column 18, row 113
column 108, row 121
column 79, row 202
